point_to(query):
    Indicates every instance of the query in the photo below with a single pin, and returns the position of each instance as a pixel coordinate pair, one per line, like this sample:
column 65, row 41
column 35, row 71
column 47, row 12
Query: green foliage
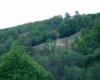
column 89, row 41
column 95, row 70
column 31, row 34
column 78, row 63
column 71, row 25
column 76, row 73
column 17, row 65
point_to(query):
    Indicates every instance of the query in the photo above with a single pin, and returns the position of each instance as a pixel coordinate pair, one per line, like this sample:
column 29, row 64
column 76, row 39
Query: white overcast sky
column 15, row 12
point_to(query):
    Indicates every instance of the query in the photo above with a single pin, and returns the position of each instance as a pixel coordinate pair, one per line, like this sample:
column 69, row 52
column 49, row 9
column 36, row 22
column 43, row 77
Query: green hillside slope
column 68, row 48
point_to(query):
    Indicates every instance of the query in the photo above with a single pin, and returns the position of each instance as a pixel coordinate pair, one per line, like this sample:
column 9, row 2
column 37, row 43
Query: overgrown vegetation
column 80, row 61
column 17, row 65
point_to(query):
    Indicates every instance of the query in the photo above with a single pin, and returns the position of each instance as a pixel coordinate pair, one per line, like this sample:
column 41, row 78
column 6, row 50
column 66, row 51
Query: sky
column 16, row 12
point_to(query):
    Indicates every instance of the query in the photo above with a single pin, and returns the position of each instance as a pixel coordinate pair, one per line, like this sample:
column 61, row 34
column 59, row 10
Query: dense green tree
column 89, row 41
column 17, row 65
column 67, row 15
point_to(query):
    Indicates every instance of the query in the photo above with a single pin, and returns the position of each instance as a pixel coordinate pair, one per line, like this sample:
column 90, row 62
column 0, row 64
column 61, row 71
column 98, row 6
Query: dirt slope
column 58, row 43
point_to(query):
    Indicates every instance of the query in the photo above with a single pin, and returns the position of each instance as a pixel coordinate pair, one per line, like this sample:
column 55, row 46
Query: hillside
column 60, row 48
column 58, row 43
column 35, row 33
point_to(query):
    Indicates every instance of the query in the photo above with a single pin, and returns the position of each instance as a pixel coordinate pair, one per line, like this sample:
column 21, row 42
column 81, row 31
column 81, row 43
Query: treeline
column 38, row 32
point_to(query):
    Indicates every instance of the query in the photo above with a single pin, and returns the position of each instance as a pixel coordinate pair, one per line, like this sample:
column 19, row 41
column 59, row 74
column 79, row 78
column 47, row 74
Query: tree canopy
column 17, row 65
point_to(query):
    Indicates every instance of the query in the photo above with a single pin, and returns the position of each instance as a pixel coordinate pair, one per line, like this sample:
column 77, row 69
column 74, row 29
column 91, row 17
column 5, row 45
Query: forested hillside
column 58, row 48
